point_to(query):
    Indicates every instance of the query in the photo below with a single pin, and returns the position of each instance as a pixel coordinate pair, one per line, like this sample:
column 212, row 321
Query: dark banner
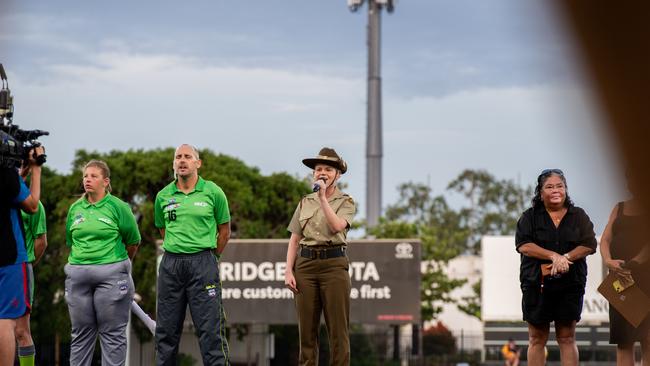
column 385, row 278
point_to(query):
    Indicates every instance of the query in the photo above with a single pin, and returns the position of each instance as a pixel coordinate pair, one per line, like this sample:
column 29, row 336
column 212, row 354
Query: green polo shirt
column 35, row 226
column 97, row 233
column 190, row 220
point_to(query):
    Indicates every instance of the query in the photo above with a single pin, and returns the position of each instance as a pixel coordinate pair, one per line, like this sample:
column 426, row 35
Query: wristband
column 567, row 256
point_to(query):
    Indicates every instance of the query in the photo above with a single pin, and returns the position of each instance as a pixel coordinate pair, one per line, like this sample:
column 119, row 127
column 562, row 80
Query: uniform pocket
column 306, row 215
column 123, row 285
column 126, row 265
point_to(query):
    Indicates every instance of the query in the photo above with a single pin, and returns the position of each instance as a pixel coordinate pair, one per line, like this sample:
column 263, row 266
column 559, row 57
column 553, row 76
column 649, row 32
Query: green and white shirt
column 98, row 232
column 190, row 220
column 35, row 226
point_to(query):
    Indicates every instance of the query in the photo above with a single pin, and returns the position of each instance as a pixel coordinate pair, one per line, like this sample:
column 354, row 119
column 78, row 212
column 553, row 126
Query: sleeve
column 587, row 234
column 221, row 209
column 524, row 232
column 347, row 210
column 38, row 224
column 14, row 189
column 294, row 224
column 68, row 224
column 24, row 191
column 158, row 214
column 127, row 225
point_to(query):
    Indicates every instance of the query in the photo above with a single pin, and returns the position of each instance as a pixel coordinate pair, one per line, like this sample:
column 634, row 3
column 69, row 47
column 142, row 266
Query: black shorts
column 544, row 307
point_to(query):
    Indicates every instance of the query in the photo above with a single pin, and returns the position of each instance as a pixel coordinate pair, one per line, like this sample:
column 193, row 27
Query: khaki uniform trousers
column 324, row 287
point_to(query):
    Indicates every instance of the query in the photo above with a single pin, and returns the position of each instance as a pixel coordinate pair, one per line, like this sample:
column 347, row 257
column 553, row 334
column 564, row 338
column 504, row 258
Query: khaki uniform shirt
column 310, row 222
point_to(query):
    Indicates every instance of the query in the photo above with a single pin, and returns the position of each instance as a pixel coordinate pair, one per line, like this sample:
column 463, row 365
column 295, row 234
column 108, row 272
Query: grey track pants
column 190, row 279
column 99, row 301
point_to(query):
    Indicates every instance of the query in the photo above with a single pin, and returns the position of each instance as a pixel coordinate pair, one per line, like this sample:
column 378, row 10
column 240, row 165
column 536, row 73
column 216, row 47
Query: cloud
column 122, row 100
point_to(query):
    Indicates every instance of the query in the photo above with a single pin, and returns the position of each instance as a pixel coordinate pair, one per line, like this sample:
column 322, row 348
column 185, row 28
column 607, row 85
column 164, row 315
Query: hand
column 323, row 186
column 560, row 264
column 290, row 281
column 625, row 279
column 615, row 265
column 34, row 153
column 25, row 169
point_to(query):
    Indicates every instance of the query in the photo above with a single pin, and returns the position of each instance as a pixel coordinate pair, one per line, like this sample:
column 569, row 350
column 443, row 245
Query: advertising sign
column 385, row 276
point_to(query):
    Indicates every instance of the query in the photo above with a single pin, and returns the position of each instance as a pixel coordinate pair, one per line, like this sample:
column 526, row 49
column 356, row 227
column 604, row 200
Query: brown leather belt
column 323, row 253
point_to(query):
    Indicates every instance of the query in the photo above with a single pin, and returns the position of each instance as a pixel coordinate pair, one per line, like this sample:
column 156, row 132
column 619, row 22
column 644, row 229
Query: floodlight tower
column 374, row 148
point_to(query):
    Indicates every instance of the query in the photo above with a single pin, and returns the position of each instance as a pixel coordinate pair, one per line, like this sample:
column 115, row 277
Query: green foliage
column 489, row 207
column 493, row 205
column 261, row 206
column 362, row 351
column 471, row 305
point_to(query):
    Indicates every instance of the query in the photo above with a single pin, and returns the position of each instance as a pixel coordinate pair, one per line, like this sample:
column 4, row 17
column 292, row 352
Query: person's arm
column 40, row 243
column 643, row 256
column 292, row 250
column 334, row 222
column 578, row 252
column 560, row 263
column 606, row 239
column 129, row 230
column 30, row 204
column 158, row 217
column 535, row 251
column 588, row 243
column 222, row 237
column 524, row 244
column 131, row 250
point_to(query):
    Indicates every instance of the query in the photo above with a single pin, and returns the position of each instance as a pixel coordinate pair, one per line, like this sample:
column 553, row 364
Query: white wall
column 501, row 294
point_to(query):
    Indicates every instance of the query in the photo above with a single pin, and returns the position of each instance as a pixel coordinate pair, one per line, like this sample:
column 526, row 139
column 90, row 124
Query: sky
column 466, row 85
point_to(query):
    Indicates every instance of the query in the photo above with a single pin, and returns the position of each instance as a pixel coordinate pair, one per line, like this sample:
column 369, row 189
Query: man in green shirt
column 194, row 220
column 35, row 243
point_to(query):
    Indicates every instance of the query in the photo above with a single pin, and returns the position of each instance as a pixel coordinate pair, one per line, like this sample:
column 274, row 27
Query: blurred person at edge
column 624, row 249
column 317, row 263
column 14, row 302
column 103, row 237
column 35, row 243
column 553, row 237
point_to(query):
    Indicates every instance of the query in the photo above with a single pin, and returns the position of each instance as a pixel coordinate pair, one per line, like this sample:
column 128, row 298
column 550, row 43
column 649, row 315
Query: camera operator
column 14, row 195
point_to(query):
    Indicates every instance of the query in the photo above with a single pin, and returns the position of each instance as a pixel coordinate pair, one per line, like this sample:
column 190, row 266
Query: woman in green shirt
column 103, row 235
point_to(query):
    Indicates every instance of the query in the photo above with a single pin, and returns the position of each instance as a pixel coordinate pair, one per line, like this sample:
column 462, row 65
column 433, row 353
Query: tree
column 494, row 206
column 437, row 340
column 489, row 207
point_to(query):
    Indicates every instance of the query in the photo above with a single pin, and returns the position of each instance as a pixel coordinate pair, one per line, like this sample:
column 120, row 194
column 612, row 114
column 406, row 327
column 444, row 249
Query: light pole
column 374, row 148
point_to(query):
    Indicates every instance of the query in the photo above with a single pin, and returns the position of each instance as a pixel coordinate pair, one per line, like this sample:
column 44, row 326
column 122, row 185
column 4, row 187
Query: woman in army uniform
column 317, row 266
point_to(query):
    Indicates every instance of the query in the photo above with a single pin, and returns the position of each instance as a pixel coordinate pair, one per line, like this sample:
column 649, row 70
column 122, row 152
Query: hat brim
column 312, row 162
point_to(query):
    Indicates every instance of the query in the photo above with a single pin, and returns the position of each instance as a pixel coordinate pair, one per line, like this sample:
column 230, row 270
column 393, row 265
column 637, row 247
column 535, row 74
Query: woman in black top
column 625, row 252
column 553, row 237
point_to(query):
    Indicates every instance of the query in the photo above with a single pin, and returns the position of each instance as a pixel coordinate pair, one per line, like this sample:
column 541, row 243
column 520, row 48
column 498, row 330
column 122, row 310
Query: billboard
column 385, row 276
column 501, row 293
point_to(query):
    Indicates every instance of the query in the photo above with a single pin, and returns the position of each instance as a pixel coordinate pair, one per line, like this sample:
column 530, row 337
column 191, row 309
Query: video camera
column 15, row 143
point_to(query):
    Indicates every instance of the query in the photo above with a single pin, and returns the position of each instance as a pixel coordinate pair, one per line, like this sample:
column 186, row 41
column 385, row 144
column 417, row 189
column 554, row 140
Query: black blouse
column 575, row 229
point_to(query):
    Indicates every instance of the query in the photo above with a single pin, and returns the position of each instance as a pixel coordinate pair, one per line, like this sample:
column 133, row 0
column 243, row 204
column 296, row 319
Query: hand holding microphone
column 317, row 185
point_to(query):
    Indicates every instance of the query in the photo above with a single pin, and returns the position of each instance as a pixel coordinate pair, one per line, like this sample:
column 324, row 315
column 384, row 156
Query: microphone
column 316, row 187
